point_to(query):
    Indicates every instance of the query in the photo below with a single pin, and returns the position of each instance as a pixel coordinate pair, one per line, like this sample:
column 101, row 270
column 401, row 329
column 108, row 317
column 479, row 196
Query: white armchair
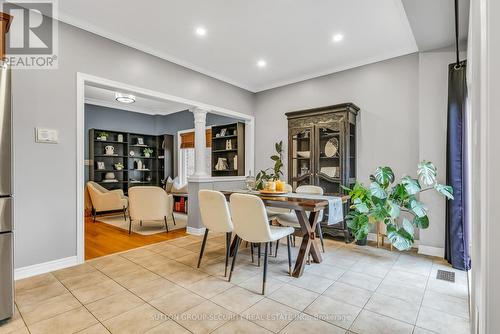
column 150, row 204
column 106, row 200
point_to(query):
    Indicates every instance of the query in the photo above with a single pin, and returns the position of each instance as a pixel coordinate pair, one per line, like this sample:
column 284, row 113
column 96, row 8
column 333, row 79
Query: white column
column 200, row 142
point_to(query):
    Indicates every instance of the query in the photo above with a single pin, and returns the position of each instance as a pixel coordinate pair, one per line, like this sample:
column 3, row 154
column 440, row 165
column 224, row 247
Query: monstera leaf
column 444, row 190
column 359, row 225
column 427, row 172
column 399, row 236
column 421, row 222
column 418, row 208
column 361, row 206
column 384, row 176
column 394, row 209
column 377, row 191
column 412, row 186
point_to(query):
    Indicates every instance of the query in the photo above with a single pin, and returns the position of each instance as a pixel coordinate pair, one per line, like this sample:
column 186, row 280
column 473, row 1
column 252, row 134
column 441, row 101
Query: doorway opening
column 136, row 144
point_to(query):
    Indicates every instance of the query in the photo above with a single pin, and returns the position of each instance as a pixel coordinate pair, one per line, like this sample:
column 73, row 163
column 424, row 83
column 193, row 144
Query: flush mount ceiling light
column 261, row 63
column 200, row 31
column 337, row 38
column 124, row 98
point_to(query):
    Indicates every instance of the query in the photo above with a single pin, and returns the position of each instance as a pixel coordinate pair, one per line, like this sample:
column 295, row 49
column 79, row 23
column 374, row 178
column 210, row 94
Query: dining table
column 307, row 211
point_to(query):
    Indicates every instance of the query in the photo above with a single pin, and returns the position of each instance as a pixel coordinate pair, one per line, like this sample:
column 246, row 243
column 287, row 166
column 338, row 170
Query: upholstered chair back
column 249, row 218
column 214, row 211
column 149, row 203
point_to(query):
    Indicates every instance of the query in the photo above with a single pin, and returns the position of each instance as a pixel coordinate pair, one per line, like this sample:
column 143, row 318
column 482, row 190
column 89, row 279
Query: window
column 186, row 155
column 186, row 159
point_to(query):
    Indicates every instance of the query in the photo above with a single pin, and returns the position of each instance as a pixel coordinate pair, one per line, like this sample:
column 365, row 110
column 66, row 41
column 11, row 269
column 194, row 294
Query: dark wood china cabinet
column 322, row 151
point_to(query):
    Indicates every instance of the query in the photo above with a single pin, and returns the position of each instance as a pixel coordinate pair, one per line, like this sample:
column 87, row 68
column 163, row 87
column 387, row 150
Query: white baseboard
column 431, row 250
column 195, row 231
column 42, row 268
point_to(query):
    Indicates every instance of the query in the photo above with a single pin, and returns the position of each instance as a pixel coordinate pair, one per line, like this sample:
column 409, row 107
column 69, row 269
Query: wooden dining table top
column 287, row 202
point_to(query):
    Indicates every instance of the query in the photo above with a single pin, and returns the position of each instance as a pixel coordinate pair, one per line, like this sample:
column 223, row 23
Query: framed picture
column 100, row 165
column 140, row 141
column 223, row 132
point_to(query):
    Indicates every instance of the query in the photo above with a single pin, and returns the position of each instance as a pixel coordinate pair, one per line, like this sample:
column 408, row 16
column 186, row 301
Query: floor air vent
column 445, row 275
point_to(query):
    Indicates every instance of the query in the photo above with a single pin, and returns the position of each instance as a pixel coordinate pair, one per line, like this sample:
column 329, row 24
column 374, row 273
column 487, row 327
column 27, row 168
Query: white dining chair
column 149, row 204
column 216, row 217
column 251, row 224
column 290, row 219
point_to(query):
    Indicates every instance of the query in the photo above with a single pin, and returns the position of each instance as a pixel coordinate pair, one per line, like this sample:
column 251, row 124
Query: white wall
column 402, row 120
column 484, row 87
column 45, row 175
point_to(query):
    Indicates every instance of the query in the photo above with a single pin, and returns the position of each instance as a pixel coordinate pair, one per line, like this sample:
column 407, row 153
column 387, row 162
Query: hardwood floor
column 103, row 239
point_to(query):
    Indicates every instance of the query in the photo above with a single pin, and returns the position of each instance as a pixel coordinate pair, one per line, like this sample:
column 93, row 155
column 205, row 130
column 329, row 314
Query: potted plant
column 119, row 166
column 102, row 136
column 273, row 174
column 147, row 152
column 395, row 204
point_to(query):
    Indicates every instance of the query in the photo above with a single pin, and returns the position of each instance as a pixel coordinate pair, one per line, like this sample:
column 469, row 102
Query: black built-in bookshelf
column 233, row 133
column 156, row 167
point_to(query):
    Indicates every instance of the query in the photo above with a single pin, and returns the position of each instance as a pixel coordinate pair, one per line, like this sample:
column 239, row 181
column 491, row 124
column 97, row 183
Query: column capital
column 200, row 114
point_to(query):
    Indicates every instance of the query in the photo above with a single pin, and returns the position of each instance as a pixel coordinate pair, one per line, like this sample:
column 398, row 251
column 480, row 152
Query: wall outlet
column 47, row 136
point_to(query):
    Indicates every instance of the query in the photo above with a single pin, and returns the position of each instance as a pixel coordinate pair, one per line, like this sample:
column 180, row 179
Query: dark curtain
column 457, row 231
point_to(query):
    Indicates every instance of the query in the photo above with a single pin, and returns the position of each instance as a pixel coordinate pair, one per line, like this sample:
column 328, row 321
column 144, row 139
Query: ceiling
column 433, row 22
column 104, row 96
column 294, row 37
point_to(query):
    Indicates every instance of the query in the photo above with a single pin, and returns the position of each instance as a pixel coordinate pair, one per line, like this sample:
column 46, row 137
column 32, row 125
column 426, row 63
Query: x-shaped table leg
column 308, row 245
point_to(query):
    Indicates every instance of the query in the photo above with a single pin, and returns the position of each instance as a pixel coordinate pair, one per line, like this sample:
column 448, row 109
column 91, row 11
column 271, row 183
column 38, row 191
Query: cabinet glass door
column 301, row 157
column 329, row 159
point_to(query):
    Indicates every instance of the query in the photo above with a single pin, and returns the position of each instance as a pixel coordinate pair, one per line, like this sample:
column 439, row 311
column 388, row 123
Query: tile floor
column 157, row 289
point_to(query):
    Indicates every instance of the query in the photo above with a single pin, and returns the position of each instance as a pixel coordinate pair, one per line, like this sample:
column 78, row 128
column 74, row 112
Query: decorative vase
column 235, row 162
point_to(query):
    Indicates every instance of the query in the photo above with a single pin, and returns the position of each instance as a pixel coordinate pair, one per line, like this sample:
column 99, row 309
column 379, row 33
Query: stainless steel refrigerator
column 6, row 198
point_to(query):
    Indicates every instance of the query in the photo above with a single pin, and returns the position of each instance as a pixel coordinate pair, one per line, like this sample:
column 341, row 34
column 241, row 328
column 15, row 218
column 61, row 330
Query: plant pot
column 361, row 242
column 147, row 155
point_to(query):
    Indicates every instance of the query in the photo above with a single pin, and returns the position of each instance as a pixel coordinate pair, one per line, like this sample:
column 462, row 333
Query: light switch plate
column 47, row 136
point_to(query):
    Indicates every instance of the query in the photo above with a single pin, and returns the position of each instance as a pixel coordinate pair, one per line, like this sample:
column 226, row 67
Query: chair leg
column 270, row 248
column 166, row 225
column 173, row 218
column 204, row 242
column 277, row 245
column 228, row 246
column 258, row 255
column 288, row 239
column 129, row 224
column 251, row 251
column 320, row 233
column 294, row 240
column 140, row 222
column 265, row 269
column 94, row 213
column 236, row 246
column 125, row 213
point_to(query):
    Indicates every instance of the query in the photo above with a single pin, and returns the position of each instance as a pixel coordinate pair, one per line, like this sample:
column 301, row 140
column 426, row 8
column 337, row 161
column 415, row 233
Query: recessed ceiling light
column 337, row 37
column 200, row 31
column 124, row 98
column 261, row 63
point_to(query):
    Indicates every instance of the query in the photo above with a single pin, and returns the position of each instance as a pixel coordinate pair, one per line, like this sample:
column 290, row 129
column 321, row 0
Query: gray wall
column 45, row 175
column 402, row 119
column 99, row 117
column 433, row 105
column 386, row 92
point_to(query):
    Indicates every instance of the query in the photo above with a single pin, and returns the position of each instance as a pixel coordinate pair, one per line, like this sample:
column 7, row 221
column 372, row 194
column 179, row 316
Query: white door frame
column 81, row 80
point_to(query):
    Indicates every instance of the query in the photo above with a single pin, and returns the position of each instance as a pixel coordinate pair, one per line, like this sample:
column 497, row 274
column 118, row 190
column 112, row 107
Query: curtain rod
column 457, row 65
